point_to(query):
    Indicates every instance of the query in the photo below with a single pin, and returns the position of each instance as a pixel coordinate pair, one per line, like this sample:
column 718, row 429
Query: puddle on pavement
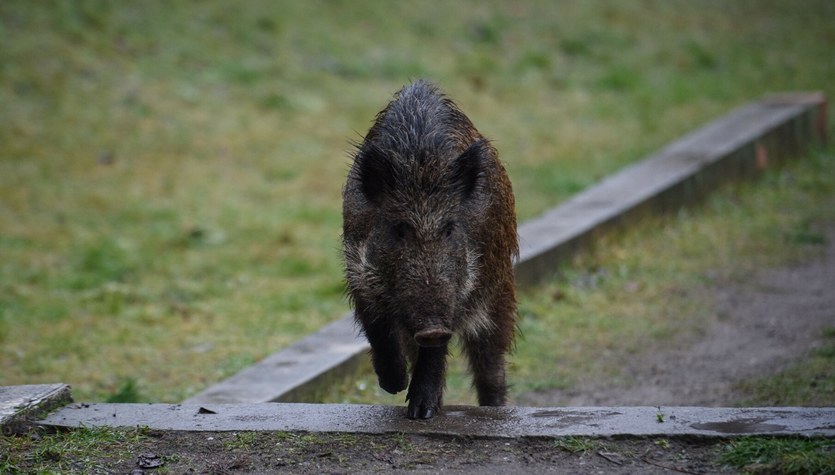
column 739, row 426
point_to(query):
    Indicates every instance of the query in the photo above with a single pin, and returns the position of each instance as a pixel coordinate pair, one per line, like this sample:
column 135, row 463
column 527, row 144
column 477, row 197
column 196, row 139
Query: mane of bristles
column 420, row 120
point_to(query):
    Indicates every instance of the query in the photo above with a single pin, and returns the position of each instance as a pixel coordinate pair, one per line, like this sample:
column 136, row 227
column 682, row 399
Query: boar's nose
column 433, row 336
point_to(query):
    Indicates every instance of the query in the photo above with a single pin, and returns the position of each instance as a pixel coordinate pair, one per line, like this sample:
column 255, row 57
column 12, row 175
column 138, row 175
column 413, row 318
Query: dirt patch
column 762, row 325
column 262, row 453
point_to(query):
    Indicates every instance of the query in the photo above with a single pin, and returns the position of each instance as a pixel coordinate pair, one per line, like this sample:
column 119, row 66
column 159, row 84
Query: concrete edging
column 464, row 421
column 737, row 146
column 20, row 404
column 23, row 408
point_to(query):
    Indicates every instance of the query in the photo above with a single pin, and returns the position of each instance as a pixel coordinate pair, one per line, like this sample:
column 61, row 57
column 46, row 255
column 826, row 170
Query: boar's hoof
column 424, row 410
column 416, row 412
column 433, row 336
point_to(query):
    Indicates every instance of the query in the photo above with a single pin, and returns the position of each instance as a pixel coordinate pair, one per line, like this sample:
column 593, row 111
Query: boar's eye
column 400, row 229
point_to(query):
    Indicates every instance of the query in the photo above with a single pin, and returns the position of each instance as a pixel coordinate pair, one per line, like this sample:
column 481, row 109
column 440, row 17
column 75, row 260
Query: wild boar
column 429, row 234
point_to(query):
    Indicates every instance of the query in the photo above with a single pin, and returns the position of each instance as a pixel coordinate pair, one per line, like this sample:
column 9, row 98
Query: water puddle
column 740, row 426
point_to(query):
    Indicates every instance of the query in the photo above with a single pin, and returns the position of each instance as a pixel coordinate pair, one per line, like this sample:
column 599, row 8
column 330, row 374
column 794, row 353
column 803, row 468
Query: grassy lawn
column 170, row 173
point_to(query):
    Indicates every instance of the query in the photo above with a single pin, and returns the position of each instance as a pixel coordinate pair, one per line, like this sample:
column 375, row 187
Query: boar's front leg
column 426, row 390
column 486, row 353
column 487, row 363
column 386, row 356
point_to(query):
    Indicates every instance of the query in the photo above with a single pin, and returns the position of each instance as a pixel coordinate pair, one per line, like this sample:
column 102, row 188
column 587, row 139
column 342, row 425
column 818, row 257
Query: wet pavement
column 464, row 421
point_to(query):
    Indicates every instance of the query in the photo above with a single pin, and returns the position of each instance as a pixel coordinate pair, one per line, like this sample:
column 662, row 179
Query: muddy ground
column 221, row 453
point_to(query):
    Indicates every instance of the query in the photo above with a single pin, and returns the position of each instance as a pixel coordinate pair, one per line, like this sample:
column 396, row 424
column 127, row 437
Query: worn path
column 763, row 325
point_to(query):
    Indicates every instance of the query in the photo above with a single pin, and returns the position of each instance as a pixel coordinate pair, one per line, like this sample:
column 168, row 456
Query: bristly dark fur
column 429, row 232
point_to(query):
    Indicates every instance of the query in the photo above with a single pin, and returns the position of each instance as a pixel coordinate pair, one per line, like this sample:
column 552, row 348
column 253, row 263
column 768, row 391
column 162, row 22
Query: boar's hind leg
column 487, row 363
column 386, row 356
column 426, row 390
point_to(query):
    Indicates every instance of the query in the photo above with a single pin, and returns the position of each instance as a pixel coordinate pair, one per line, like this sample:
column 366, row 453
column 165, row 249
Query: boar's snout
column 433, row 336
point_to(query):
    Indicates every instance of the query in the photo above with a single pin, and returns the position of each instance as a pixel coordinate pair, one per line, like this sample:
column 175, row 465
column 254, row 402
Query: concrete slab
column 464, row 421
column 18, row 404
column 737, row 146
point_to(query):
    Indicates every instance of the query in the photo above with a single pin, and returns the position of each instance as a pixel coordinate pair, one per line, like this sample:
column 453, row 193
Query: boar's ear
column 376, row 173
column 468, row 168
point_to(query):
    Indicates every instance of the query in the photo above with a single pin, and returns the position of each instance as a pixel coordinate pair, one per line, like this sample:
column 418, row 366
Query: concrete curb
column 24, row 407
column 20, row 404
column 737, row 146
column 463, row 421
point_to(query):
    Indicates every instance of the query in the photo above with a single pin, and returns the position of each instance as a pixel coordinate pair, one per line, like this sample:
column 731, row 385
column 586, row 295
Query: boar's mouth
column 433, row 336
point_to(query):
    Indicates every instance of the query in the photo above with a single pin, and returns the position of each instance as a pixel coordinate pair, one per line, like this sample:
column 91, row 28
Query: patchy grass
column 577, row 445
column 780, row 455
column 810, row 382
column 86, row 450
column 241, row 440
column 170, row 174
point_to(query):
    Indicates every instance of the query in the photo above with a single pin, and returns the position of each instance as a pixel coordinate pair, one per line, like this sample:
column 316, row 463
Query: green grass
column 577, row 445
column 780, row 455
column 242, row 440
column 170, row 174
column 85, row 450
